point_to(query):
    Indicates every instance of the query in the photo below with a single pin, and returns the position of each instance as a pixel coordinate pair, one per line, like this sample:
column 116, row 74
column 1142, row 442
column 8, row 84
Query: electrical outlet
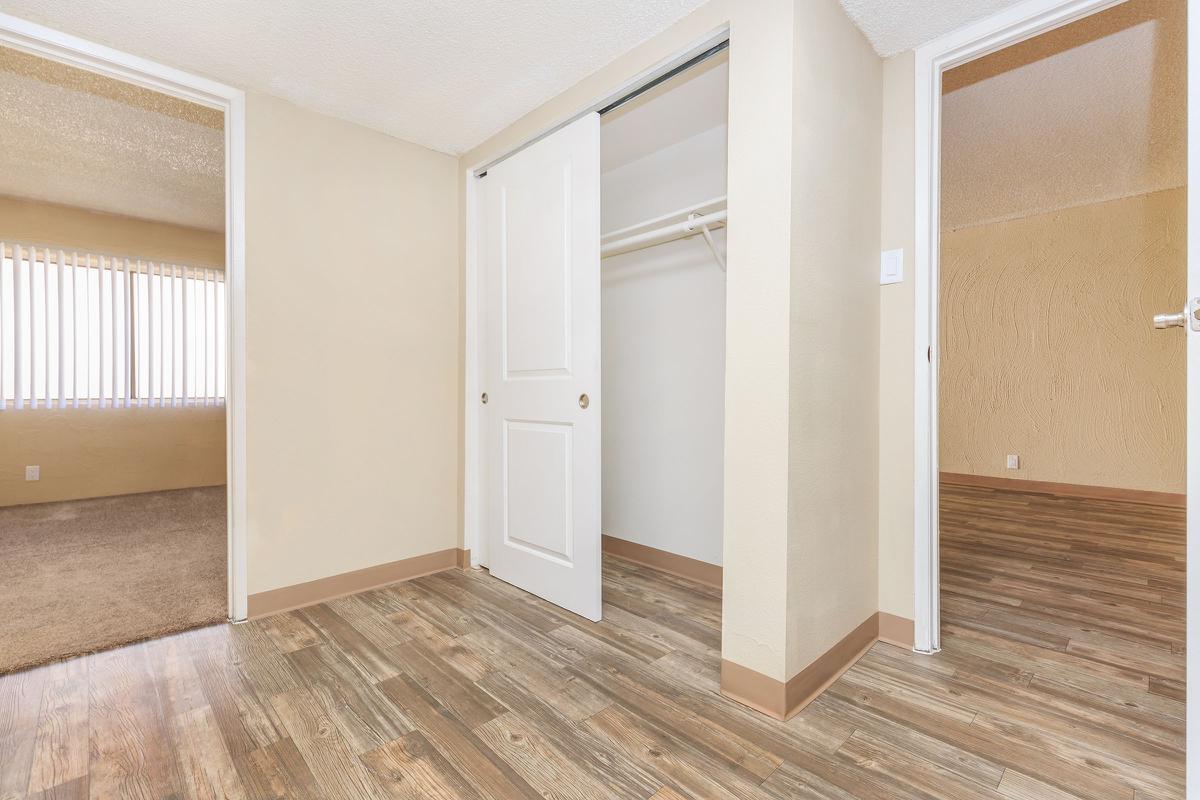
column 1014, row 462
column 33, row 473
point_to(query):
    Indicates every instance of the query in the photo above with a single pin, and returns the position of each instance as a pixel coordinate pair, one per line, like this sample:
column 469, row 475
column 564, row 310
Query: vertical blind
column 89, row 330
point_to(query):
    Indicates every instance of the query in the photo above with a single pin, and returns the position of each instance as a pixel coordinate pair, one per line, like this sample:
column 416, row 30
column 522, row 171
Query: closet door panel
column 541, row 259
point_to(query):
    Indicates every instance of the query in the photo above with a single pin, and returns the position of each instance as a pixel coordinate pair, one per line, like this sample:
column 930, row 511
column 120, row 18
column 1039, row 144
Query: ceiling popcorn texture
column 75, row 138
column 445, row 75
column 893, row 26
column 1092, row 111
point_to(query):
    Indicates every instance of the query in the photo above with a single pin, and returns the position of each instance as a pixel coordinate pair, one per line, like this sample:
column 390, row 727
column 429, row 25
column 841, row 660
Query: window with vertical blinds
column 91, row 330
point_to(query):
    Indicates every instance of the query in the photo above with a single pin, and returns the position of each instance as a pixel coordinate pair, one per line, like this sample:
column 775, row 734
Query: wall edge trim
column 1088, row 491
column 663, row 560
column 320, row 590
column 782, row 700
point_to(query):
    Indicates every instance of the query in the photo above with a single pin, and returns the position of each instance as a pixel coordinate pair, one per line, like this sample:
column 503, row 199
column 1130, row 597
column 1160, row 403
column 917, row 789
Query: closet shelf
column 697, row 219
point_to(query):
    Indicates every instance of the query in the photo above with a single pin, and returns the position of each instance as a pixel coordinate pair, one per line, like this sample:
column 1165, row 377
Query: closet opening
column 662, row 300
column 596, row 351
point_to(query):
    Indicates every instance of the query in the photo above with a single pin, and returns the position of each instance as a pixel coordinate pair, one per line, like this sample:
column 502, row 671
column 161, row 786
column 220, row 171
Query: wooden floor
column 1060, row 678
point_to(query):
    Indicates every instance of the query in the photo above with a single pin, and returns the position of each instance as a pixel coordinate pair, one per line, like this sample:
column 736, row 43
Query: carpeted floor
column 86, row 575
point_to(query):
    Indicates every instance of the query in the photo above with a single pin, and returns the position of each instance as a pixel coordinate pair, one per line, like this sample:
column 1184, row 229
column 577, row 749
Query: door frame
column 39, row 40
column 996, row 32
column 1005, row 28
column 473, row 286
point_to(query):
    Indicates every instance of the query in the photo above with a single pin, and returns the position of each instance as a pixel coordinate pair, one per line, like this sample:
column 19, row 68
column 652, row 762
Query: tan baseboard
column 464, row 558
column 784, row 700
column 299, row 595
column 897, row 631
column 1172, row 499
column 699, row 571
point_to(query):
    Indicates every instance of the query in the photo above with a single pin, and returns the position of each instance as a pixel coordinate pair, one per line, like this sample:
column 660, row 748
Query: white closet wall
column 664, row 357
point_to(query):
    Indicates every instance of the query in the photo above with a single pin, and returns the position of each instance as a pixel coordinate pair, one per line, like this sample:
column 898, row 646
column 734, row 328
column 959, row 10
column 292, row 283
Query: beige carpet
column 85, row 575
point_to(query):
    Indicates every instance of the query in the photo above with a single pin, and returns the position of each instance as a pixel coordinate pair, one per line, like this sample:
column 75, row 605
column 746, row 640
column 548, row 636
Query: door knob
column 584, row 402
column 1177, row 320
column 1182, row 319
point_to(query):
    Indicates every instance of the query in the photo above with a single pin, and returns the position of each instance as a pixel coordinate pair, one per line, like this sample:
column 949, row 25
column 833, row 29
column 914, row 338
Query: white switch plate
column 891, row 267
column 1014, row 462
column 33, row 473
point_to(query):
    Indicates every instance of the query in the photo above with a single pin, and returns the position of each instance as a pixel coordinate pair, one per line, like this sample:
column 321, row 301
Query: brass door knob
column 584, row 402
column 483, row 398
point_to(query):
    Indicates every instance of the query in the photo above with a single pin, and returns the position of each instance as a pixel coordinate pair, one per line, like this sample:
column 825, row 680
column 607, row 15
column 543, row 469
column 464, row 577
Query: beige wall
column 794, row 128
column 1047, row 351
column 896, row 349
column 834, row 404
column 96, row 452
column 99, row 452
column 33, row 222
column 352, row 347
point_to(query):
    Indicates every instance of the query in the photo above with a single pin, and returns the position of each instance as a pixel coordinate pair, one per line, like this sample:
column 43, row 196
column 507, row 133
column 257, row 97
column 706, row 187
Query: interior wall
column 35, row 222
column 663, row 358
column 100, row 452
column 897, row 332
column 352, row 293
column 1047, row 351
column 833, row 442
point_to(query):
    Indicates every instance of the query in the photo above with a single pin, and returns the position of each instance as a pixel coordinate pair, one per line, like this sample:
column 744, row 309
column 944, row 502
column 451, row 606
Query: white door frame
column 1008, row 27
column 473, row 364
column 22, row 35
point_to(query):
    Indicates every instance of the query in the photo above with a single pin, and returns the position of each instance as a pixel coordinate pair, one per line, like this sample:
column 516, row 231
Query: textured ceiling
column 442, row 74
column 893, row 26
column 72, row 137
column 1088, row 112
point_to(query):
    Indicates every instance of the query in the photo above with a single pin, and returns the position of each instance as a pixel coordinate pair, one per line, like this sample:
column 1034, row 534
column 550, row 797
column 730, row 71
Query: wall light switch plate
column 891, row 267
column 1014, row 462
column 33, row 473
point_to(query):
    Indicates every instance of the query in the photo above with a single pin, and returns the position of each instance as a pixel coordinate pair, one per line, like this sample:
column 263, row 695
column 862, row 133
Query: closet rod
column 688, row 227
column 679, row 212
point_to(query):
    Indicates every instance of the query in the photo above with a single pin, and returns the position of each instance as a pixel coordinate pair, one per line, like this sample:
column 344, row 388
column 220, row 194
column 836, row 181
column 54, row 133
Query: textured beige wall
column 896, row 332
column 834, row 402
column 777, row 146
column 33, row 222
column 1047, row 349
column 99, row 452
column 352, row 347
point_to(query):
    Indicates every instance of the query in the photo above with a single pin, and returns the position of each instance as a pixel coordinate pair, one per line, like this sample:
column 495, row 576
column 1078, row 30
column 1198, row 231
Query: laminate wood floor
column 1061, row 678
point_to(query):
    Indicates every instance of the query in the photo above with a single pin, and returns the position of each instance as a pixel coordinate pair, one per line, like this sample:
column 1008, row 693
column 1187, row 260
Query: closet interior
column 663, row 218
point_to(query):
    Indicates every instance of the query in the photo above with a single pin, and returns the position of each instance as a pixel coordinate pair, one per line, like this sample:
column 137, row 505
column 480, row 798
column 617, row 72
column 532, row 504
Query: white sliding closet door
column 540, row 218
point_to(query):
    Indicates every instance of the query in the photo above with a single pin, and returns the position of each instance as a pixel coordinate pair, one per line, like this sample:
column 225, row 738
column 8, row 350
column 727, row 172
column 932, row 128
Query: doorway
column 1059, row 444
column 101, row 66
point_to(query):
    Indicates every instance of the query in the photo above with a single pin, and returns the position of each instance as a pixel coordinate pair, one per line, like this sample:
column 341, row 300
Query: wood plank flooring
column 1061, row 677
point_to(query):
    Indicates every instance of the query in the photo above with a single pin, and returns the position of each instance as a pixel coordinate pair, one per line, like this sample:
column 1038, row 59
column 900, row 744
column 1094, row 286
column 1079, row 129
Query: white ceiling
column 893, row 26
column 72, row 137
column 1092, row 111
column 442, row 74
